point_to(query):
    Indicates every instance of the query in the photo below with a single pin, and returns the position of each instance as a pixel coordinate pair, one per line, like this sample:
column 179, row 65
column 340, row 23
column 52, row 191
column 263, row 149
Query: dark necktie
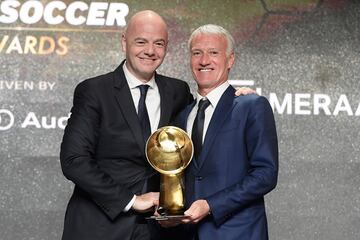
column 198, row 127
column 143, row 113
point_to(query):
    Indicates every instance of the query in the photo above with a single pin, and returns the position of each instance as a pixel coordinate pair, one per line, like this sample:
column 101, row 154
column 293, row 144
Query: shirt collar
column 133, row 81
column 215, row 95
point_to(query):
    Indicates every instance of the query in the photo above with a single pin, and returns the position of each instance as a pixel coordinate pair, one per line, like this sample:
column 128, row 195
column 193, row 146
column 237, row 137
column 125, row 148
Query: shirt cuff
column 130, row 204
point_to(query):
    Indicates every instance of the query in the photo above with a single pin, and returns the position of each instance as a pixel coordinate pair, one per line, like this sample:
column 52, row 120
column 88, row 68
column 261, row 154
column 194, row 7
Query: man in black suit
column 102, row 151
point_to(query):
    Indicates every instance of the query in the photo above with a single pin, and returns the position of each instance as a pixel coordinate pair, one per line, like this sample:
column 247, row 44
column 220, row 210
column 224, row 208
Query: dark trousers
column 141, row 232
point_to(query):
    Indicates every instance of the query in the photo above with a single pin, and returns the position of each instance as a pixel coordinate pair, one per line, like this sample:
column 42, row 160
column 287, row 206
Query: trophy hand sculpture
column 169, row 151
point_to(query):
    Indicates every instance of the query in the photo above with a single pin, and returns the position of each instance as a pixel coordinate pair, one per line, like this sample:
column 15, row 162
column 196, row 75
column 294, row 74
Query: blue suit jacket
column 238, row 165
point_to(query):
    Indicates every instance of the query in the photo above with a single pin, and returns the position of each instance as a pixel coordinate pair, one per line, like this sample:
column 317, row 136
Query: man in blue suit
column 236, row 152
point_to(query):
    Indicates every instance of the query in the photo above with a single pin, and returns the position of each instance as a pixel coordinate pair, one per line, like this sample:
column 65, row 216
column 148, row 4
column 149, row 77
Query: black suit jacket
column 102, row 152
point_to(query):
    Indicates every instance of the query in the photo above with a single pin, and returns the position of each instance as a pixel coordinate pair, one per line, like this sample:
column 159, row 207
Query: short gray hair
column 210, row 29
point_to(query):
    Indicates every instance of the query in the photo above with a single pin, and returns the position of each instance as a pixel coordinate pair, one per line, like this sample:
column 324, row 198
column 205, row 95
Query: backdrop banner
column 303, row 55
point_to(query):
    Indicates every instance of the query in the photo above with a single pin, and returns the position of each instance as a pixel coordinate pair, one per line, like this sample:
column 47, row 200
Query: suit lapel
column 222, row 109
column 166, row 101
column 186, row 113
column 183, row 125
column 124, row 99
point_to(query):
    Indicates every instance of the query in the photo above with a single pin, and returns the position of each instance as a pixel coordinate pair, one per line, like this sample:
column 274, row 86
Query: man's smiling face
column 210, row 64
column 145, row 43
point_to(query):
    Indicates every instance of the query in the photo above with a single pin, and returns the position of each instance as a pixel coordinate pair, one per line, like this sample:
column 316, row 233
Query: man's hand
column 197, row 211
column 244, row 91
column 146, row 202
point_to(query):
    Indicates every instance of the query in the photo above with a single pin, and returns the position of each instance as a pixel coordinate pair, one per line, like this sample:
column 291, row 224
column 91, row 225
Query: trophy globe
column 169, row 151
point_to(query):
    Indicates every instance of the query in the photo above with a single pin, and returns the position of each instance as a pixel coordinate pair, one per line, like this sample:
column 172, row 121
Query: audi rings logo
column 6, row 119
column 32, row 120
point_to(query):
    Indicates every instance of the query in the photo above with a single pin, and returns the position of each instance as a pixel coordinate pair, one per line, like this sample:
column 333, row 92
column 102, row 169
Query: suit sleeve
column 261, row 177
column 78, row 151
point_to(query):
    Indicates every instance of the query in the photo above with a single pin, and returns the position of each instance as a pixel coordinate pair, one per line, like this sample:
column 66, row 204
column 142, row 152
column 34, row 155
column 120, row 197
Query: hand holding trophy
column 169, row 151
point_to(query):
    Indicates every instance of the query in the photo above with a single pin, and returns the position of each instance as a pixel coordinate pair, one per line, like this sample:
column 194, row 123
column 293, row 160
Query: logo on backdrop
column 306, row 103
column 55, row 16
column 6, row 119
column 31, row 120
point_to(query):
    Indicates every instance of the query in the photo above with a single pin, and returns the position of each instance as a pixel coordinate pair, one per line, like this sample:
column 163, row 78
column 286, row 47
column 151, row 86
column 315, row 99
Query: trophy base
column 166, row 214
column 166, row 217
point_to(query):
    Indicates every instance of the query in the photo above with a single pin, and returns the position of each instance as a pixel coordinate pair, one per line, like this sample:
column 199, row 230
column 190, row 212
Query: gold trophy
column 169, row 151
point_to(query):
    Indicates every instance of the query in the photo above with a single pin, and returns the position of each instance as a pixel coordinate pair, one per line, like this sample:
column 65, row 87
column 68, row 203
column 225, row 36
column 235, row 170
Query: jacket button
column 199, row 178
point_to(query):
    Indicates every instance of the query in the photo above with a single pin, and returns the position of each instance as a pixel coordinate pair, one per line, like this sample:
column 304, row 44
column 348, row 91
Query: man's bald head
column 144, row 43
column 146, row 16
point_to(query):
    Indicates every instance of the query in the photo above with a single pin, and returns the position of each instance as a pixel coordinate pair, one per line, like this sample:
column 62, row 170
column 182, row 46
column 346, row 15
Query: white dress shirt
column 152, row 100
column 214, row 97
column 152, row 103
